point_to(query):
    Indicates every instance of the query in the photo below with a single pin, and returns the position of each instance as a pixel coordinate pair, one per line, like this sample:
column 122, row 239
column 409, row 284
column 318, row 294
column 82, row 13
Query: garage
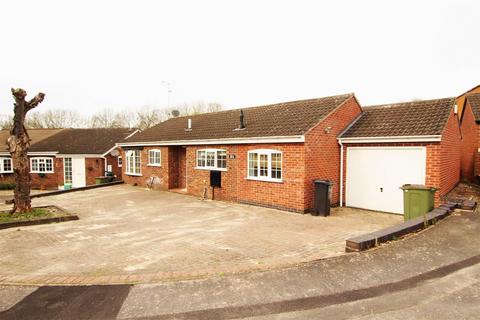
column 375, row 175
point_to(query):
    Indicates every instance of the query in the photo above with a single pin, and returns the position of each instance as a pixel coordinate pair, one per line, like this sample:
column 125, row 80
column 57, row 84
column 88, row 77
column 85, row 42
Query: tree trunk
column 18, row 144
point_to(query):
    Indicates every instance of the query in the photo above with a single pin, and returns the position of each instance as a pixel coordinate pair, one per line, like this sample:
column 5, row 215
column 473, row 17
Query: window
column 41, row 165
column 119, row 161
column 265, row 165
column 67, row 166
column 154, row 157
column 212, row 159
column 6, row 165
column 133, row 162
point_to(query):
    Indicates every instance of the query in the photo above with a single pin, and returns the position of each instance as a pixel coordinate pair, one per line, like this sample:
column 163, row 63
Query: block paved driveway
column 128, row 234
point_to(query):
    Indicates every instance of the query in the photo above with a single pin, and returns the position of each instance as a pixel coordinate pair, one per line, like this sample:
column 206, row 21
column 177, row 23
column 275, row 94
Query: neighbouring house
column 460, row 100
column 395, row 144
column 268, row 155
column 69, row 156
column 470, row 125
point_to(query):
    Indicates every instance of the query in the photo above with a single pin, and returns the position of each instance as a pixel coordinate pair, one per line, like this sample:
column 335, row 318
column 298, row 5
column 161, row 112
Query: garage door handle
column 381, row 189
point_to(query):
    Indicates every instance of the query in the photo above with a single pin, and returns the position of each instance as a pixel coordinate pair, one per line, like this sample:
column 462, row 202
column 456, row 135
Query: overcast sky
column 89, row 55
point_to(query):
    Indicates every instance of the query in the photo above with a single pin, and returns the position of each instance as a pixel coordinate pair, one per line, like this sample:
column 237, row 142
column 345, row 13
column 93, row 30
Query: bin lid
column 323, row 182
column 417, row 187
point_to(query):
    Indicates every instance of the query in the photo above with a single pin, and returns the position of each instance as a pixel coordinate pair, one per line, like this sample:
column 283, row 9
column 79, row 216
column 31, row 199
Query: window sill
column 211, row 169
column 4, row 172
column 265, row 179
column 134, row 174
column 153, row 165
column 42, row 172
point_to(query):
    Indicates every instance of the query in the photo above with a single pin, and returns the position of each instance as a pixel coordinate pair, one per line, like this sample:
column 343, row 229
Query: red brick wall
column 94, row 167
column 477, row 154
column 451, row 151
column 7, row 178
column 50, row 181
column 113, row 161
column 286, row 195
column 159, row 174
column 322, row 150
column 469, row 144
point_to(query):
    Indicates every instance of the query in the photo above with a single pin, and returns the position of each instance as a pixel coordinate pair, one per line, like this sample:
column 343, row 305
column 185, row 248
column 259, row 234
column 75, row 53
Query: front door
column 78, row 172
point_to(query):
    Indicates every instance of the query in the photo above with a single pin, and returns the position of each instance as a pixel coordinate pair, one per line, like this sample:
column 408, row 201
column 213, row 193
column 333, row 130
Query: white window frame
column 119, row 161
column 39, row 160
column 128, row 168
column 153, row 164
column 215, row 160
column 268, row 153
column 2, row 165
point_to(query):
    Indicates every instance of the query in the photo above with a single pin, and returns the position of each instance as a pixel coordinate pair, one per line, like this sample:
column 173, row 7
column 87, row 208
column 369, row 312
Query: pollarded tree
column 18, row 143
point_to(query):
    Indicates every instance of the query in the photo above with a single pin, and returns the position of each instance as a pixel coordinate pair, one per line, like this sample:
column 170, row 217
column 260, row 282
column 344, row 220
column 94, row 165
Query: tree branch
column 35, row 101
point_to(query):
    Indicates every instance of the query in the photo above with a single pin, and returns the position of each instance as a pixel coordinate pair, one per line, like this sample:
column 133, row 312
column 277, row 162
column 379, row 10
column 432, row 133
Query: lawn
column 35, row 214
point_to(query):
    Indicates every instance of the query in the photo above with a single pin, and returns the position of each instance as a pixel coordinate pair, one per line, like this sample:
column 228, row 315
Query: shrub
column 7, row 186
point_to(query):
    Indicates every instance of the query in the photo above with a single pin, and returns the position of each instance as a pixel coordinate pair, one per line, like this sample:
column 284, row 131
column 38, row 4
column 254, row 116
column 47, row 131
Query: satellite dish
column 175, row 113
column 115, row 153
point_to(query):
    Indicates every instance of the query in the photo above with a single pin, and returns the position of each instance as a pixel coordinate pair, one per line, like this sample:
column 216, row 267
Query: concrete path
column 432, row 275
column 129, row 235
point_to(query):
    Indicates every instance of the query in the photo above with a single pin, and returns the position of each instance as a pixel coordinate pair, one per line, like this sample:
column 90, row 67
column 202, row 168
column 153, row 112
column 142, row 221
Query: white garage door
column 375, row 174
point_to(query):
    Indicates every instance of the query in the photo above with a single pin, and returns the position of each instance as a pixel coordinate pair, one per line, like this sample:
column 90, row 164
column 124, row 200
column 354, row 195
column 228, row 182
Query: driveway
column 128, row 234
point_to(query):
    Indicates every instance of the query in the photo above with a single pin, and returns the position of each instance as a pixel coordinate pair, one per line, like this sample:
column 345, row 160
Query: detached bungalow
column 68, row 156
column 405, row 143
column 268, row 155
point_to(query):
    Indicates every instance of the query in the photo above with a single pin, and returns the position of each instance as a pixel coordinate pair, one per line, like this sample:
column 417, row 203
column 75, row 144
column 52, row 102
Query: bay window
column 265, row 165
column 214, row 159
column 133, row 162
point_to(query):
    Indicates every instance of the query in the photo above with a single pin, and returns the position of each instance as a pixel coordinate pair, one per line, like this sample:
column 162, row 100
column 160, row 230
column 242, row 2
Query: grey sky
column 88, row 55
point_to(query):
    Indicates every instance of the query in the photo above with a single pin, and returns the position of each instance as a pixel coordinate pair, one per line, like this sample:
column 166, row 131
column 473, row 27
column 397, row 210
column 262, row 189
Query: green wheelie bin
column 417, row 200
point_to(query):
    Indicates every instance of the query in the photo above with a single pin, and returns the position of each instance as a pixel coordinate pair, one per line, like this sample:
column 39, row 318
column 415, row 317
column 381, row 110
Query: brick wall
column 450, row 155
column 323, row 151
column 94, row 167
column 469, row 144
column 7, row 178
column 113, row 161
column 477, row 154
column 285, row 195
column 50, row 181
column 160, row 174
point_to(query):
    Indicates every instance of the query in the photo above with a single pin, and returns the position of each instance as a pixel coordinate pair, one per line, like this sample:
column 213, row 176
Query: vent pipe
column 242, row 123
column 189, row 124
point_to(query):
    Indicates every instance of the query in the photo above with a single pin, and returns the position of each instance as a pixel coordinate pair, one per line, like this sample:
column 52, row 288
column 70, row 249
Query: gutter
column 274, row 139
column 429, row 138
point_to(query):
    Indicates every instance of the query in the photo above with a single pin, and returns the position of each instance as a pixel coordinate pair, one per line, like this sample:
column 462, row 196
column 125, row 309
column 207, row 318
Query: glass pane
column 34, row 165
column 276, row 165
column 68, row 170
column 253, row 164
column 136, row 168
column 222, row 159
column 49, row 164
column 201, row 158
column 211, row 159
column 7, row 165
column 264, row 165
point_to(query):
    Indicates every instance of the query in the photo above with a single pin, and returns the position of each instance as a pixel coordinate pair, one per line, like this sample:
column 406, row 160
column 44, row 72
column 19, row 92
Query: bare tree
column 148, row 117
column 108, row 119
column 18, row 143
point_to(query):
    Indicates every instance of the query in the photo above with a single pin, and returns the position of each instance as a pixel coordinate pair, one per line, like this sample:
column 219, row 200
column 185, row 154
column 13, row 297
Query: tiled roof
column 417, row 118
column 281, row 119
column 35, row 135
column 474, row 101
column 82, row 141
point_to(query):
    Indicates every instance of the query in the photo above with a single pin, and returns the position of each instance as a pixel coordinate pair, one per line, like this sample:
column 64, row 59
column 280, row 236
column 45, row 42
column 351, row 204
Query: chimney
column 242, row 123
column 189, row 125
